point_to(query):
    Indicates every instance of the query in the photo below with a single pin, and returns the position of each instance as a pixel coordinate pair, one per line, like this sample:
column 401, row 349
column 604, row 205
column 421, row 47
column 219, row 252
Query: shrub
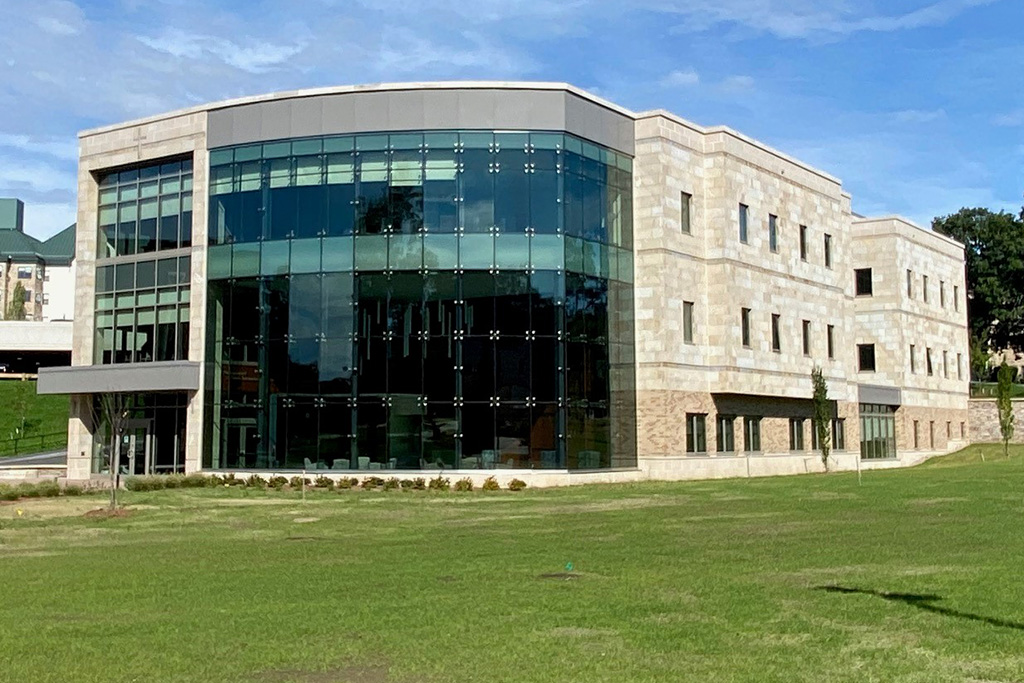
column 419, row 484
column 406, row 484
column 194, row 481
column 150, row 483
column 391, row 484
column 215, row 480
column 8, row 493
column 491, row 484
column 256, row 481
column 232, row 480
column 298, row 482
column 440, row 483
column 324, row 482
column 372, row 482
column 516, row 485
column 48, row 489
column 73, row 490
column 27, row 491
column 277, row 482
column 347, row 482
column 464, row 484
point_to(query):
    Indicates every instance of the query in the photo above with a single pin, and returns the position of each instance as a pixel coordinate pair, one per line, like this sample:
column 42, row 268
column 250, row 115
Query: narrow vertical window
column 910, row 283
column 959, row 366
column 945, row 364
column 807, row 337
column 956, row 297
column 684, row 212
column 773, row 233
column 744, row 210
column 796, row 434
column 828, row 251
column 942, row 294
column 688, row 322
column 913, row 361
column 839, row 434
column 917, row 436
column 726, row 435
column 963, row 430
column 752, row 434
column 928, row 361
column 830, row 337
column 931, row 434
column 924, row 288
column 803, row 242
column 696, row 435
column 776, row 339
column 745, row 326
column 949, row 430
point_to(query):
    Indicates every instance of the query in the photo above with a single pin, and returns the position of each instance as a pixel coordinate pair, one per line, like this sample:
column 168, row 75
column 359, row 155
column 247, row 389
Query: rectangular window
column 838, row 434
column 910, row 283
column 828, row 251
column 24, row 272
column 28, row 295
column 963, row 430
column 959, row 366
column 807, row 337
column 913, row 361
column 773, row 233
column 776, row 339
column 924, row 288
column 745, row 326
column 684, row 212
column 942, row 294
column 956, row 297
column 830, row 337
column 945, row 364
column 949, row 430
column 917, row 436
column 803, row 242
column 688, row 322
column 928, row 361
column 931, row 434
column 696, row 437
column 744, row 210
column 862, row 277
column 796, row 434
column 877, row 431
column 751, row 434
column 726, row 436
column 866, row 357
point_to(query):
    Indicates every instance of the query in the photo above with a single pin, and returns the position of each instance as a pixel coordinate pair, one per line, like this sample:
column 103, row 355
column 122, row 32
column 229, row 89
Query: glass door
column 136, row 448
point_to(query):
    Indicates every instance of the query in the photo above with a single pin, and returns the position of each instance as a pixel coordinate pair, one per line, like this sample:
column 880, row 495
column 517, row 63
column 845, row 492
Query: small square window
column 24, row 272
column 862, row 278
column 866, row 357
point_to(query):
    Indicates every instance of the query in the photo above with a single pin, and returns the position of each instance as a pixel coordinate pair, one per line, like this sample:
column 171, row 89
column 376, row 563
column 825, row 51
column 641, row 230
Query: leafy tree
column 822, row 414
column 994, row 251
column 1005, row 405
column 16, row 304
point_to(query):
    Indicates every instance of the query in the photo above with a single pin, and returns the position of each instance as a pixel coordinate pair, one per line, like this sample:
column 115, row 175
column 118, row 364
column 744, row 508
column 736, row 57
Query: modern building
column 510, row 278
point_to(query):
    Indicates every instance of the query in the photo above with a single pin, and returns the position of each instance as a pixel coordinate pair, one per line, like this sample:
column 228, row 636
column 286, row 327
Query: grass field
column 44, row 415
column 914, row 576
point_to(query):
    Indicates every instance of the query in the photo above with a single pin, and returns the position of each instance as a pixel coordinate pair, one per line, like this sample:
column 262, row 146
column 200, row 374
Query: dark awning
column 131, row 377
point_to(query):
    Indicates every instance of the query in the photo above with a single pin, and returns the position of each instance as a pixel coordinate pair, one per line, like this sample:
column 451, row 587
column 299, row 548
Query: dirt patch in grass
column 561, row 576
column 348, row 674
column 107, row 513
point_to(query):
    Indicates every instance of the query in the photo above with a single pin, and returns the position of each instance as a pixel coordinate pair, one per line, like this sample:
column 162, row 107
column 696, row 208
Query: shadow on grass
column 924, row 602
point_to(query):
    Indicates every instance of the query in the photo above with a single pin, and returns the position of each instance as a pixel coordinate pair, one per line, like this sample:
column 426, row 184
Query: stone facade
column 984, row 421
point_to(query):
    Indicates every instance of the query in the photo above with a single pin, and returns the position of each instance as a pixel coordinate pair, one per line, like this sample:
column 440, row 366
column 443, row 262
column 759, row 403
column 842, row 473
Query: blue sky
column 917, row 105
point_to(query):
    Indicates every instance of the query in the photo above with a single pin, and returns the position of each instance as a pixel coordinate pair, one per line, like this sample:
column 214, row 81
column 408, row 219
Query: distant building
column 45, row 269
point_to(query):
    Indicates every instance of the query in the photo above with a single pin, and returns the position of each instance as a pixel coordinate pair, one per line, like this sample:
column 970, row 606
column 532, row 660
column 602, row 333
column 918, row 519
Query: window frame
column 685, row 215
column 696, row 433
column 828, row 251
column 830, row 332
column 773, row 233
column 688, row 322
column 752, row 434
column 858, row 289
column 744, row 223
column 796, row 434
column 776, row 333
column 861, row 365
column 745, row 327
column 803, row 242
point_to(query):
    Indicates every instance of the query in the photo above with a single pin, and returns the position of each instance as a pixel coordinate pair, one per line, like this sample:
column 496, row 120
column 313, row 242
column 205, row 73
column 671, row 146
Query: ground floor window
column 796, row 434
column 726, row 435
column 152, row 438
column 752, row 434
column 696, row 433
column 838, row 434
column 878, row 431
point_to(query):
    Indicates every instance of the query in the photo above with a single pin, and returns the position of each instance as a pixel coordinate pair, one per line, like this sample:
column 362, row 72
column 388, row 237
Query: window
column 688, row 322
column 910, row 283
column 942, row 293
column 866, row 357
column 751, row 434
column 796, row 434
column 931, row 434
column 24, row 272
column 776, row 341
column 744, row 210
column 917, row 439
column 959, row 366
column 28, row 296
column 924, row 288
column 745, row 326
column 773, row 233
column 862, row 277
column 696, row 438
column 807, row 337
column 803, row 242
column 913, row 361
column 877, row 431
column 928, row 361
column 956, row 297
column 828, row 251
column 726, row 436
column 963, row 430
column 945, row 364
column 949, row 430
column 831, row 341
column 838, row 434
column 684, row 212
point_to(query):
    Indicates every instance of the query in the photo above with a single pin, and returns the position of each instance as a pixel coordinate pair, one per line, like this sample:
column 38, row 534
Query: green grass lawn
column 45, row 415
column 914, row 576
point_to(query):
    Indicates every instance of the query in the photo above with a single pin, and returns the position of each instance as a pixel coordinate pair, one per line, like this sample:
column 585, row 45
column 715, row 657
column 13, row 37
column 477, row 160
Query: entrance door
column 137, row 448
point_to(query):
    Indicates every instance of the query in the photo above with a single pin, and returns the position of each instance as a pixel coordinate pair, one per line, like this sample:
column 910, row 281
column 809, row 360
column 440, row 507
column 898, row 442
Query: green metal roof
column 58, row 250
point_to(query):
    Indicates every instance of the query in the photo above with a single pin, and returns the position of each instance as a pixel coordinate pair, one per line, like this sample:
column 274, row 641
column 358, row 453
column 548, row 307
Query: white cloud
column 65, row 148
column 1010, row 119
column 254, row 55
column 734, row 84
column 918, row 115
column 36, row 176
column 56, row 26
column 680, row 78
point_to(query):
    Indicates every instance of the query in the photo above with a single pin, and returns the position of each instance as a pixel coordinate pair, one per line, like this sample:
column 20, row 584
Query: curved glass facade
column 420, row 300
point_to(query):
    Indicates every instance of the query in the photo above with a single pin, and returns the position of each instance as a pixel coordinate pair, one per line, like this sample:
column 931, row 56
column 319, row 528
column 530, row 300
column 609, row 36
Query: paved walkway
column 54, row 458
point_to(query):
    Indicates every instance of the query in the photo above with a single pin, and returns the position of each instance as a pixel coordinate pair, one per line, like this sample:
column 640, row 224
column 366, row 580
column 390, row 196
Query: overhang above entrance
column 870, row 393
column 135, row 377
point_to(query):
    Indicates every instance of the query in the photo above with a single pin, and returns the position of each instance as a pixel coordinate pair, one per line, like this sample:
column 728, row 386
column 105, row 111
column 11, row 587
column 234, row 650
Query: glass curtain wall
column 420, row 301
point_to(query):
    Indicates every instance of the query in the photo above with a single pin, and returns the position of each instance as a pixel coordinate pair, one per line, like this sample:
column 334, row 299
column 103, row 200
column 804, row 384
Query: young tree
column 111, row 412
column 1005, row 405
column 16, row 304
column 822, row 414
